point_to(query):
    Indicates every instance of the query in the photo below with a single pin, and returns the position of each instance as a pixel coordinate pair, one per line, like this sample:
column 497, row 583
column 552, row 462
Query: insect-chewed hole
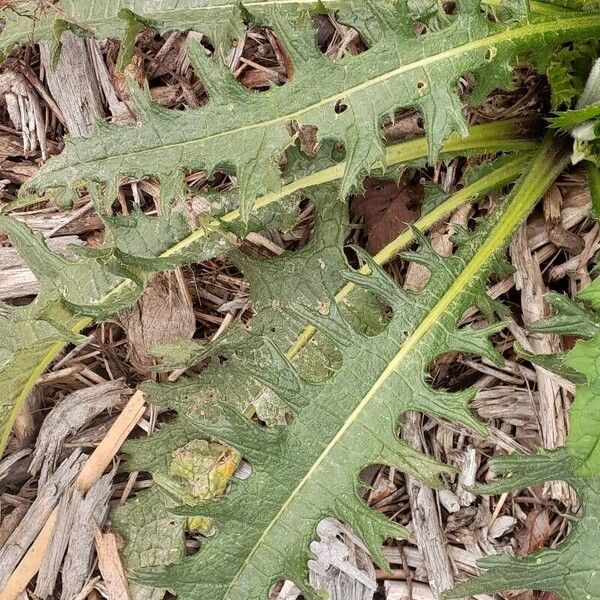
column 340, row 106
column 259, row 60
column 337, row 40
column 453, row 371
column 490, row 53
column 284, row 590
column 142, row 194
column 218, row 181
column 383, row 487
column 449, row 8
column 292, row 229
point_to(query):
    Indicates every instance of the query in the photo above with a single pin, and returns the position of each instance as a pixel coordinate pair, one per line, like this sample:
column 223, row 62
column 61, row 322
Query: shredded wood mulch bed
column 86, row 403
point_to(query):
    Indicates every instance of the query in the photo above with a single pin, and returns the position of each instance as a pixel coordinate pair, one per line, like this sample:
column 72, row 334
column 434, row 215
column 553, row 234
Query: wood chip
column 111, row 568
column 28, row 529
column 426, row 520
column 552, row 404
column 342, row 566
column 501, row 526
column 73, row 84
column 16, row 279
column 91, row 512
column 466, row 478
column 52, row 561
column 90, row 473
column 68, row 417
column 400, row 590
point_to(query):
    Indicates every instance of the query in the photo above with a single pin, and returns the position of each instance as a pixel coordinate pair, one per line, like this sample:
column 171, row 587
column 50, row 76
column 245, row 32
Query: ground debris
column 67, row 418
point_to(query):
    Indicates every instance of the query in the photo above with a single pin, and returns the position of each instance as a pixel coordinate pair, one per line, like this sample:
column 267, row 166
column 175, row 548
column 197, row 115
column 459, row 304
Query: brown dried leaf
column 163, row 314
column 535, row 532
column 387, row 210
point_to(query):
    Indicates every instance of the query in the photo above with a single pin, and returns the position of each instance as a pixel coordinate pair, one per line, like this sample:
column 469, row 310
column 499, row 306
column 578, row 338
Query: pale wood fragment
column 110, row 565
column 91, row 512
column 51, row 562
column 552, row 403
column 73, row 84
column 91, row 472
column 69, row 416
column 31, row 525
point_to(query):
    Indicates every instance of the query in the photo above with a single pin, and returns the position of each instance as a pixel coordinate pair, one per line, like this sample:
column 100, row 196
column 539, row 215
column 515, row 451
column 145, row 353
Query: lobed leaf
column 112, row 277
column 571, row 569
column 246, row 132
column 342, row 423
column 31, row 21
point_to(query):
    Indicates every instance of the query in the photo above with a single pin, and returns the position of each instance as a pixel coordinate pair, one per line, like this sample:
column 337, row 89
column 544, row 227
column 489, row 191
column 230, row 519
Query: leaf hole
column 259, row 60
column 491, row 53
column 337, row 40
column 284, row 590
column 340, row 106
column 453, row 371
column 381, row 486
column 137, row 194
column 162, row 62
column 307, row 136
column 421, row 86
column 449, row 8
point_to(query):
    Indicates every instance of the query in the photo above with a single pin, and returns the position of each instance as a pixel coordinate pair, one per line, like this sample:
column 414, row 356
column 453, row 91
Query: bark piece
column 48, row 497
column 111, row 568
column 342, row 566
column 552, row 404
column 23, row 106
column 67, row 418
column 73, row 85
column 63, row 529
column 17, row 280
column 91, row 513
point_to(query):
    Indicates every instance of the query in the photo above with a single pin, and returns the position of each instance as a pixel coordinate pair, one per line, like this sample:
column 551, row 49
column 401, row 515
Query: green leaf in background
column 571, row 569
column 570, row 118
